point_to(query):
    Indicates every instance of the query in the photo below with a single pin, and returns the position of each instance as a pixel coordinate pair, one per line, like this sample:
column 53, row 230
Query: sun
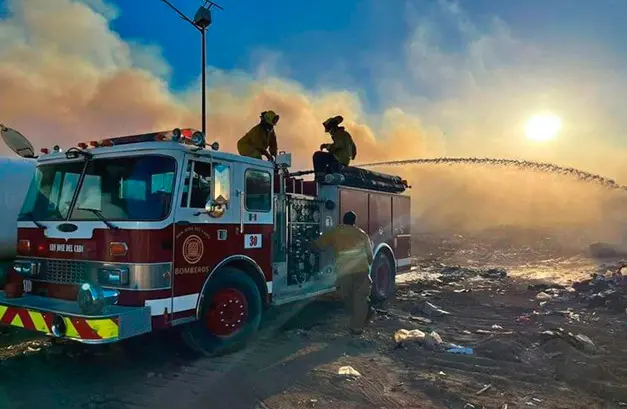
column 543, row 127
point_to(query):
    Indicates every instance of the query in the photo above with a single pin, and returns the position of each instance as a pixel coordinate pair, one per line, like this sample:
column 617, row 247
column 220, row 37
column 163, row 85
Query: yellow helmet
column 269, row 117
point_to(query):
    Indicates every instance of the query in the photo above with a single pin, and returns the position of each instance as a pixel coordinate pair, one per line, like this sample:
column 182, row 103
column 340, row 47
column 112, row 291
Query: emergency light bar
column 187, row 136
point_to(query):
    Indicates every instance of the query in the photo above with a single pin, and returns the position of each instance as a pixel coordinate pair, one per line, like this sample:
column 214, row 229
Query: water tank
column 15, row 178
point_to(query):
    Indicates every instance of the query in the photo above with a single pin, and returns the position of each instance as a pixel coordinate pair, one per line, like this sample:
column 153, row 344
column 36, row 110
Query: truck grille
column 65, row 271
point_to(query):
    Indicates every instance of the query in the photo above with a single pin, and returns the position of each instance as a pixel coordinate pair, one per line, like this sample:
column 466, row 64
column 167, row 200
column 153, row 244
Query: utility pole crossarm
column 183, row 16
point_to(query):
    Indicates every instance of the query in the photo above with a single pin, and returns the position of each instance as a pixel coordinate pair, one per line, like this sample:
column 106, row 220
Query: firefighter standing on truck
column 339, row 153
column 353, row 257
column 261, row 139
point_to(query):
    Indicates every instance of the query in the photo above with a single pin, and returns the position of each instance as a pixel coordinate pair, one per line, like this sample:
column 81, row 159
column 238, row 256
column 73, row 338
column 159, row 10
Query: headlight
column 93, row 299
column 26, row 268
column 113, row 276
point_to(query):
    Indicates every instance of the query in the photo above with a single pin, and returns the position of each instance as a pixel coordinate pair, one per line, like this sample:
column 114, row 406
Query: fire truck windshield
column 137, row 188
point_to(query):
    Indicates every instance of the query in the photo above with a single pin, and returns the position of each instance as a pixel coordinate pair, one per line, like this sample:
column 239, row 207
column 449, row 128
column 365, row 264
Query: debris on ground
column 579, row 341
column 404, row 335
column 460, row 350
column 433, row 341
column 606, row 288
column 497, row 323
column 485, row 388
column 348, row 371
column 432, row 310
column 542, row 296
column 451, row 274
column 494, row 273
column 421, row 320
column 545, row 286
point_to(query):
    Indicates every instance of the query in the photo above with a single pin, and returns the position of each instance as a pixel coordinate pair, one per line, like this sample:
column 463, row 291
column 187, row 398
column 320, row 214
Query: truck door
column 204, row 232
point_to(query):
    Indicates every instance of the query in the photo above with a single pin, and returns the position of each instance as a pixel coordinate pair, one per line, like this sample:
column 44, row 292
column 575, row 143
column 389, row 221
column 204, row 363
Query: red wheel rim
column 383, row 278
column 227, row 312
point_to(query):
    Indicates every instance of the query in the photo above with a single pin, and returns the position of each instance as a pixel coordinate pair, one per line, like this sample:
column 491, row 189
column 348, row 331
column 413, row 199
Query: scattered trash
column 542, row 296
column 487, row 332
column 524, row 319
column 584, row 343
column 496, row 327
column 494, row 273
column 504, row 406
column 31, row 349
column 579, row 341
column 485, row 388
column 441, row 373
column 404, row 335
column 544, row 287
column 432, row 341
column 469, row 406
column 348, row 371
column 433, row 310
column 460, row 350
column 422, row 320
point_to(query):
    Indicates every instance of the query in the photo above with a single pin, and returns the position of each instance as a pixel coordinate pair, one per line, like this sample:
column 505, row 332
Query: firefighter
column 353, row 257
column 261, row 139
column 339, row 153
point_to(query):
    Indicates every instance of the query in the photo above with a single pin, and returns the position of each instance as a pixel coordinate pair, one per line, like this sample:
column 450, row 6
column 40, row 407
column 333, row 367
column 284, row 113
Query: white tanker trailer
column 16, row 174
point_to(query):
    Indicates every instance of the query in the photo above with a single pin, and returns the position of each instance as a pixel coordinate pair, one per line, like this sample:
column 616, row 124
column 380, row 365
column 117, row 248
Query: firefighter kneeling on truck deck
column 339, row 153
column 353, row 257
column 261, row 139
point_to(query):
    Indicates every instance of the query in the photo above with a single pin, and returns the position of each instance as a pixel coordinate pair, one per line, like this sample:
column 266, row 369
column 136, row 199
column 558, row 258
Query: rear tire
column 230, row 314
column 383, row 274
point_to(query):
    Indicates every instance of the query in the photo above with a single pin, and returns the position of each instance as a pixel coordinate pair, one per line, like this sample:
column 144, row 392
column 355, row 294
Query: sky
column 412, row 78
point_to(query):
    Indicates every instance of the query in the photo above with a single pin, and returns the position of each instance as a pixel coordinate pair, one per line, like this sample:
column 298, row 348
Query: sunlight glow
column 543, row 127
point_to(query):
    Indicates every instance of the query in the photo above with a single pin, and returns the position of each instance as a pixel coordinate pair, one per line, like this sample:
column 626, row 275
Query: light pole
column 202, row 20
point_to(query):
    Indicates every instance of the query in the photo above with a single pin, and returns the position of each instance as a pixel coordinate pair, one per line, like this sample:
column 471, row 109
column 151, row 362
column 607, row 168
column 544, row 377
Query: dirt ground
column 294, row 362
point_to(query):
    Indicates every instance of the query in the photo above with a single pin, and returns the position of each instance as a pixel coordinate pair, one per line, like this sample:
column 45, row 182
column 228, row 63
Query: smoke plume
column 66, row 76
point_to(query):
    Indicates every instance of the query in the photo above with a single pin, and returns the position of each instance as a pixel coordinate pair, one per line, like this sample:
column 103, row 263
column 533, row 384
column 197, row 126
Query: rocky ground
column 528, row 343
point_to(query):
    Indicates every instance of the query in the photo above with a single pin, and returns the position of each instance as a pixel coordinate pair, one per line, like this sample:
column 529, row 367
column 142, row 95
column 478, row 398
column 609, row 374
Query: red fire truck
column 123, row 236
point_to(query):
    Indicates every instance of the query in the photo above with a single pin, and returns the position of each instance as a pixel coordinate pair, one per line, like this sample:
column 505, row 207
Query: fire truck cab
column 123, row 236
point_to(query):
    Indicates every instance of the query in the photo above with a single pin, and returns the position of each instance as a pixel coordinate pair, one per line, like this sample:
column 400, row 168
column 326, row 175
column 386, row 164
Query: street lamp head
column 202, row 18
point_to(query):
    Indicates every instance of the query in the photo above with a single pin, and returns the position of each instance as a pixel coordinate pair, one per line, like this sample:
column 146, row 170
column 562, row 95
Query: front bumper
column 38, row 313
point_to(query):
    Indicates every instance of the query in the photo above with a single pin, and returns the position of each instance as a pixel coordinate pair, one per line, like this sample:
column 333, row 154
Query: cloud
column 66, row 76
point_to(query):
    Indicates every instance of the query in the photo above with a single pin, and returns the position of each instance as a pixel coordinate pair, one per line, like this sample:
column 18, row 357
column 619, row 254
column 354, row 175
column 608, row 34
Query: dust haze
column 66, row 76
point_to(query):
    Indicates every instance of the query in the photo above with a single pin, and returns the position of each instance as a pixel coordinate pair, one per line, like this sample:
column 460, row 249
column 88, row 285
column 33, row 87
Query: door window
column 258, row 191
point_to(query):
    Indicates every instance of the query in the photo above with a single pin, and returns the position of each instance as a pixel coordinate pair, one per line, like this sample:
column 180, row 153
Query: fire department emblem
column 193, row 249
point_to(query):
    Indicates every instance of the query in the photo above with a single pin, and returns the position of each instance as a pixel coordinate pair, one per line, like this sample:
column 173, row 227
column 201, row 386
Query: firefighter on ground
column 261, row 139
column 339, row 153
column 353, row 257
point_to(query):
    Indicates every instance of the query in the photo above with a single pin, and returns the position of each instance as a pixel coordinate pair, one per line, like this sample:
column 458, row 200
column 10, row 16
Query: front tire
column 383, row 275
column 230, row 314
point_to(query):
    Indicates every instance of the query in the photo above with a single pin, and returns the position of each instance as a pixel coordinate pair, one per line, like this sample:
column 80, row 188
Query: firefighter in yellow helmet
column 339, row 153
column 353, row 257
column 261, row 139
